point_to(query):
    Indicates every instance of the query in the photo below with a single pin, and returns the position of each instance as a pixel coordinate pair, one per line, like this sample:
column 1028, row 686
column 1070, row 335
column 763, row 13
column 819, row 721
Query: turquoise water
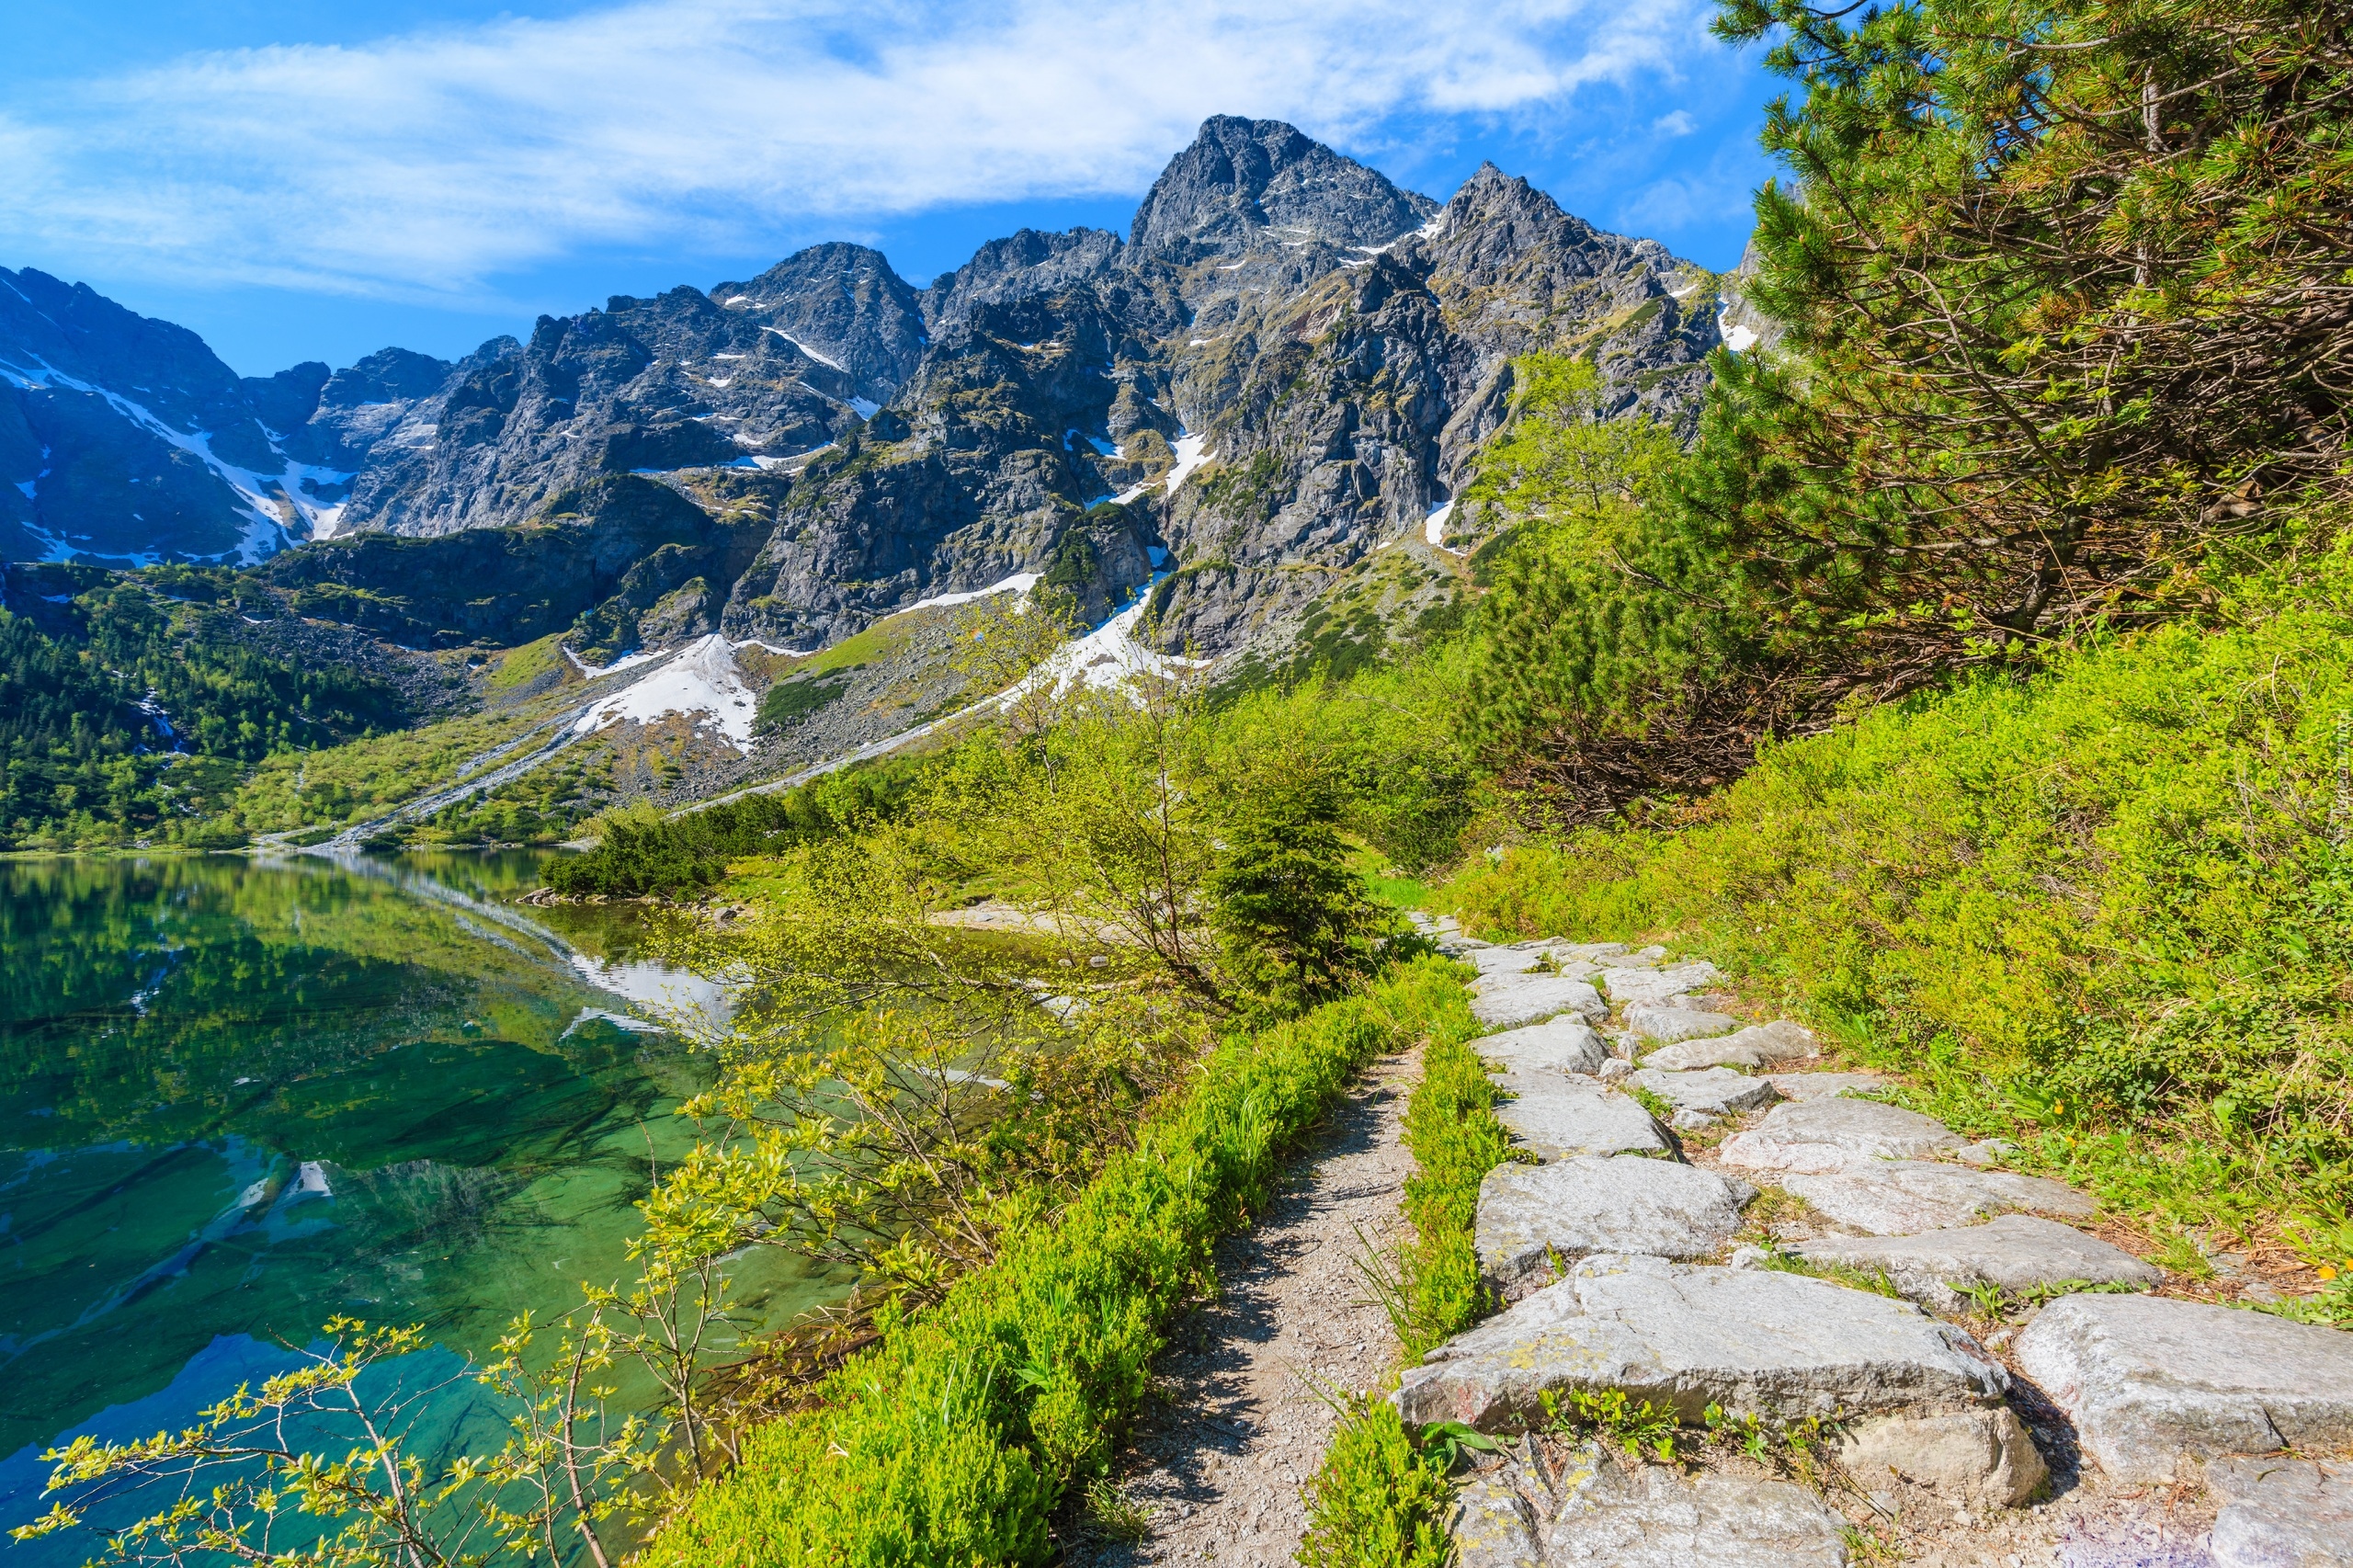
column 238, row 1098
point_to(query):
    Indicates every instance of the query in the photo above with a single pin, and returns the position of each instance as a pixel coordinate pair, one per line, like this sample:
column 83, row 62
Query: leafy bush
column 1377, row 1502
column 958, row 1437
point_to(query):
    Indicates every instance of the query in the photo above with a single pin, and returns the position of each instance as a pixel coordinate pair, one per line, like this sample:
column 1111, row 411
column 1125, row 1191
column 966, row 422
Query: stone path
column 2108, row 1428
column 1218, row 1465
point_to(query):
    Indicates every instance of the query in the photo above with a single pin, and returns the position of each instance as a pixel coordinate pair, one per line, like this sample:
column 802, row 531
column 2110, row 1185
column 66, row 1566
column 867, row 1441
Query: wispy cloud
column 421, row 165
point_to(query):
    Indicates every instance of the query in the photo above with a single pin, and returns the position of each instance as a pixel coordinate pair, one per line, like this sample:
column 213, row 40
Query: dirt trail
column 1219, row 1461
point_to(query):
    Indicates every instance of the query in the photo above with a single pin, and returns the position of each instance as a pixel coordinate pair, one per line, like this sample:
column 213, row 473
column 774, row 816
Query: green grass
column 960, row 1439
column 2106, row 914
column 1378, row 1502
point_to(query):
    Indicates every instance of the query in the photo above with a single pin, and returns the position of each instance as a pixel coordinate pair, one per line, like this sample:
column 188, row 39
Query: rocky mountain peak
column 843, row 305
column 1244, row 183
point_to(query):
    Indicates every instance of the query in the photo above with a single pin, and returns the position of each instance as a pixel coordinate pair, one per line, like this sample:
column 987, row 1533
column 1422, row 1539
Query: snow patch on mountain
column 702, row 680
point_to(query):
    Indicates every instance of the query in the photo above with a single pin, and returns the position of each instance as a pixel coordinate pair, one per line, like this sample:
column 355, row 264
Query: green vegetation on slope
column 130, row 706
column 2105, row 913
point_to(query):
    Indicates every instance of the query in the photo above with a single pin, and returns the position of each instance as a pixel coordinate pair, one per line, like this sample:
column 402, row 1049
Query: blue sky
column 304, row 181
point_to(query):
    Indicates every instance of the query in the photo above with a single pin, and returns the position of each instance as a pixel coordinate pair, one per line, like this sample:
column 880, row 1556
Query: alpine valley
column 679, row 545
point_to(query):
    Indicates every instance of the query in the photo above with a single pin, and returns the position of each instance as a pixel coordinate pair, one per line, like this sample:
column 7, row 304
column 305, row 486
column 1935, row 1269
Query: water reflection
column 239, row 1097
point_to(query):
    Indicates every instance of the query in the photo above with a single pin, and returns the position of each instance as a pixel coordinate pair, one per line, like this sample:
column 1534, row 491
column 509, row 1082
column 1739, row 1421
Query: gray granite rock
column 2281, row 1513
column 1492, row 1527
column 1557, row 1117
column 2017, row 1252
column 1507, row 1001
column 1759, row 1045
column 1831, row 1133
column 1627, row 986
column 1667, row 1022
column 1565, row 1044
column 1967, row 1456
column 1572, row 1209
column 2151, row 1383
column 1903, row 1197
column 1490, row 962
column 1653, row 1517
column 1820, row 1085
column 1774, row 1345
column 1713, row 1091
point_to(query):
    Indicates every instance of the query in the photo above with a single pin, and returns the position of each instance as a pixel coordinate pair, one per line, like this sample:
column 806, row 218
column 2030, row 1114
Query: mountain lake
column 242, row 1096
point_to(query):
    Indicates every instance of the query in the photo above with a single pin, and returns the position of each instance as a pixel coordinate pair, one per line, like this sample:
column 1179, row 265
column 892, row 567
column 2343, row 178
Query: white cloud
column 1679, row 123
column 421, row 165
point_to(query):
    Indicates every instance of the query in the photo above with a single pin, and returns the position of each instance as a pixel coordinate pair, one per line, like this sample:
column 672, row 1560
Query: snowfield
column 705, row 679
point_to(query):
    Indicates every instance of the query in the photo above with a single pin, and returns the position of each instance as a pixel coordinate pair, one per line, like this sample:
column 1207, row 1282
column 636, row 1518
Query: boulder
column 1905, row 1198
column 1832, row 1133
column 2152, row 1383
column 1778, row 1345
column 1666, row 1022
column 1507, row 1001
column 1638, row 1516
column 1578, row 952
column 1819, row 1085
column 1974, row 1456
column 1572, row 1209
column 2018, row 1252
column 1759, row 1045
column 1715, row 1091
column 2280, row 1513
column 1628, row 985
column 1556, row 1118
column 1565, row 1044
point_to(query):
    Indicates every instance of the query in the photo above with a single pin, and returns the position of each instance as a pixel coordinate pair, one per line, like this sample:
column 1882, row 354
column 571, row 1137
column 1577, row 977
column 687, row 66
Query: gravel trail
column 1218, row 1463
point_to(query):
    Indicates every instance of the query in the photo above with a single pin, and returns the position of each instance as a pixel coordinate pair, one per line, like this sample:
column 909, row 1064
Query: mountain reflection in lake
column 240, row 1098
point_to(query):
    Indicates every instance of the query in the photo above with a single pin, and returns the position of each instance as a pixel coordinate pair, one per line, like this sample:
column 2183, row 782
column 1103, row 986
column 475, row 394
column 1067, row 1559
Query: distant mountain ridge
column 1322, row 348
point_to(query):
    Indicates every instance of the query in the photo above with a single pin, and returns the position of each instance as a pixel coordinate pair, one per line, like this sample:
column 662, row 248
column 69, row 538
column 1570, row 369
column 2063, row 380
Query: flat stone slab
column 1556, row 1118
column 1666, row 1023
column 1628, row 985
column 1759, row 1045
column 1684, row 1335
column 2151, row 1383
column 1565, row 1044
column 1713, row 1091
column 1494, row 1528
column 2280, row 1513
column 1831, row 1133
column 1821, row 1086
column 1653, row 1517
column 1905, row 1198
column 2018, row 1253
column 1572, row 1209
column 1507, row 1001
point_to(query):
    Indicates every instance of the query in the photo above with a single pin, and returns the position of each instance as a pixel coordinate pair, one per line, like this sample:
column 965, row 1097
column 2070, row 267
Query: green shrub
column 1378, row 1502
column 958, row 1437
column 1455, row 1139
column 2105, row 913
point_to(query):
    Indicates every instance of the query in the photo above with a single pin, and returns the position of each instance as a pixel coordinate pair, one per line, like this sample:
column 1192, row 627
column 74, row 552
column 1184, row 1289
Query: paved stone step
column 2281, row 1513
column 1565, row 1044
column 1711, row 1093
column 1508, row 1001
column 2019, row 1253
column 1907, row 1198
column 1528, row 1214
column 1627, row 986
column 1557, row 1117
column 1760, row 1045
column 1820, row 1085
column 1779, row 1346
column 1667, row 1022
column 2152, row 1383
column 1620, row 1515
column 1831, row 1133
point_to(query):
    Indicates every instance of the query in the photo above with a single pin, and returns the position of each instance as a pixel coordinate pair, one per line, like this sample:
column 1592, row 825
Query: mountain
column 1283, row 366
